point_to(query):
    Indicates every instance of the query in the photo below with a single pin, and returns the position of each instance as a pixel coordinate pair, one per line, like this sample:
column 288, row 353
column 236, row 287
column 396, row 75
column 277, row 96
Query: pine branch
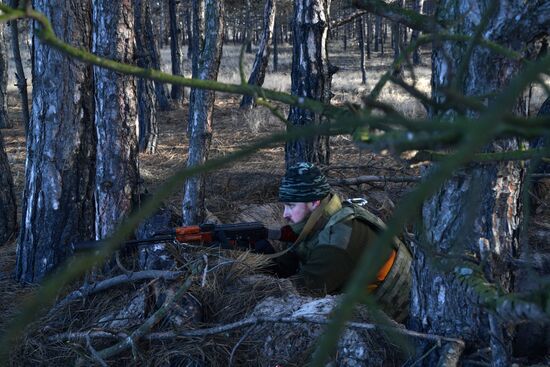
column 400, row 15
column 154, row 319
column 346, row 19
column 89, row 289
column 509, row 307
column 517, row 155
column 365, row 179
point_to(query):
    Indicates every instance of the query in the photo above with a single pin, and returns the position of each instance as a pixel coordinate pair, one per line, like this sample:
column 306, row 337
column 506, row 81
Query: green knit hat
column 303, row 183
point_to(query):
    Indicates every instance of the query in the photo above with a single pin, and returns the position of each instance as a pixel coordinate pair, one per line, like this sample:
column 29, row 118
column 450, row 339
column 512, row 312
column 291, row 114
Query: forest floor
column 256, row 179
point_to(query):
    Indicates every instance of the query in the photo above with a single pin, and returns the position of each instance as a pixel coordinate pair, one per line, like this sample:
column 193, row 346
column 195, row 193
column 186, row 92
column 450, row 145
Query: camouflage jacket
column 328, row 248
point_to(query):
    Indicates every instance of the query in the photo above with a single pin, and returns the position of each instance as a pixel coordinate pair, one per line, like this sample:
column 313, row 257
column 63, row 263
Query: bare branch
column 346, row 19
column 364, row 179
column 247, row 322
column 89, row 289
column 147, row 325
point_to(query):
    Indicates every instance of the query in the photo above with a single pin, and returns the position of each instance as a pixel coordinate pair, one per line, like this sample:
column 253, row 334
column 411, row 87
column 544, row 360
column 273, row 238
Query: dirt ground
column 254, row 180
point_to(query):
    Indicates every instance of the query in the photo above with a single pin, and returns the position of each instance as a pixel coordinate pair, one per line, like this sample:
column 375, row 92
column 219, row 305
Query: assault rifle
column 227, row 236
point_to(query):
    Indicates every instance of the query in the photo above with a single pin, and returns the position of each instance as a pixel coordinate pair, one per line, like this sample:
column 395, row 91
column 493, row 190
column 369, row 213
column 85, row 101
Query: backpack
column 393, row 293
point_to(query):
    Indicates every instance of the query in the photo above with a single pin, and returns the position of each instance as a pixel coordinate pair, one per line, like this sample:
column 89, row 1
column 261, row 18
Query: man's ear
column 315, row 204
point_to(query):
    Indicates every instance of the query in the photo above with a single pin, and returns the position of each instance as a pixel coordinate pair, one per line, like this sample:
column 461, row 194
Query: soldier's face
column 297, row 212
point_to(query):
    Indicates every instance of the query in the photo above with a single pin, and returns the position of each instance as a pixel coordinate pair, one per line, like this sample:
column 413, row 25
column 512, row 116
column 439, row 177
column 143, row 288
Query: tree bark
column 8, row 203
column 157, row 34
column 187, row 15
column 361, row 42
column 311, row 77
column 115, row 116
column 147, row 103
column 417, row 7
column 57, row 203
column 175, row 51
column 259, row 68
column 4, row 120
column 396, row 41
column 207, row 51
column 247, row 28
column 377, row 33
column 478, row 211
column 369, row 34
column 276, row 27
column 20, row 74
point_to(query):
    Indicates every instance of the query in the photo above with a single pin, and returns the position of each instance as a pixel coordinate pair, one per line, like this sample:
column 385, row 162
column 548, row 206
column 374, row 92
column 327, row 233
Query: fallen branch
column 364, row 179
column 89, row 289
column 251, row 321
column 129, row 342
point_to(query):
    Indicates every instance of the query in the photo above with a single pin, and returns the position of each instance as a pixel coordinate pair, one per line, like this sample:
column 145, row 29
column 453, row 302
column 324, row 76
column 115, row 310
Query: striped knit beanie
column 303, row 183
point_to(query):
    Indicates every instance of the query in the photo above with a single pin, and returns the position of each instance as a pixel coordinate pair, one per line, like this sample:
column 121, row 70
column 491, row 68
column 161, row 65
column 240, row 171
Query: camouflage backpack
column 393, row 293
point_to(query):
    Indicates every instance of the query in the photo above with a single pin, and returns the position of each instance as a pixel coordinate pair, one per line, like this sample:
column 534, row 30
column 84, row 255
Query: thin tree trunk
column 276, row 46
column 115, row 116
column 20, row 73
column 346, row 29
column 259, row 68
column 311, row 77
column 377, row 33
column 384, row 37
column 417, row 7
column 187, row 15
column 58, row 199
column 207, row 46
column 361, row 43
column 8, row 206
column 369, row 34
column 247, row 28
column 396, row 42
column 147, row 103
column 175, row 51
column 4, row 120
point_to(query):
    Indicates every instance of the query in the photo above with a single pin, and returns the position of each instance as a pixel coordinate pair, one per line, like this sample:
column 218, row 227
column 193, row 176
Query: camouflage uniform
column 331, row 241
column 323, row 259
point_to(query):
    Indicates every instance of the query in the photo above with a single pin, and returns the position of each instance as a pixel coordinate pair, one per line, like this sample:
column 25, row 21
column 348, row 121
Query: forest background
column 501, row 189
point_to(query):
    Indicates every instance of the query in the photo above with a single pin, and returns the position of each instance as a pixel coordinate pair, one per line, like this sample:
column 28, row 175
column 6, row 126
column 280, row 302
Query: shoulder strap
column 352, row 211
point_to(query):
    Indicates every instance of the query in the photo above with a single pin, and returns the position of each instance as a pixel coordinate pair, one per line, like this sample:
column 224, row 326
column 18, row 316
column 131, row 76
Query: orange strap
column 383, row 272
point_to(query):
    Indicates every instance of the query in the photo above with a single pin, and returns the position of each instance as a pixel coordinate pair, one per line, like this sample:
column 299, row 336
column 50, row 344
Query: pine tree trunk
column 248, row 28
column 417, row 7
column 369, row 34
column 20, row 74
column 207, row 51
column 4, row 121
column 187, row 15
column 57, row 203
column 276, row 46
column 478, row 211
column 377, row 33
column 396, row 35
column 115, row 116
column 361, row 43
column 8, row 203
column 147, row 103
column 259, row 68
column 311, row 77
column 175, row 51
